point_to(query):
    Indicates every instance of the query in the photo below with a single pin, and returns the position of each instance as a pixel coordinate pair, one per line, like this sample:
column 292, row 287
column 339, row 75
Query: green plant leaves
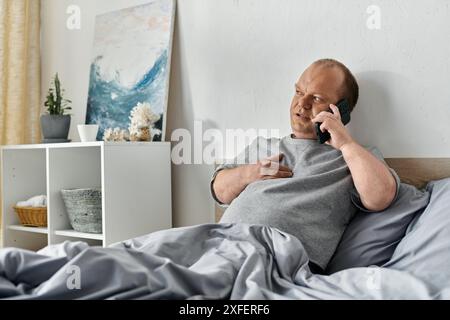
column 55, row 102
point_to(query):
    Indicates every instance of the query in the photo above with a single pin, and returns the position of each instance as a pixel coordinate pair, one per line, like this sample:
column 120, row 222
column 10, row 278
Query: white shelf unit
column 135, row 179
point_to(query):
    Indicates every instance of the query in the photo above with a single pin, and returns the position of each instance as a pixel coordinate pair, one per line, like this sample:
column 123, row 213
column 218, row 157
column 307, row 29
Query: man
column 317, row 188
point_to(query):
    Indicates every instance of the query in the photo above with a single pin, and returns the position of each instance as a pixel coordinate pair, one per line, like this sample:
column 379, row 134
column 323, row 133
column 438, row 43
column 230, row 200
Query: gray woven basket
column 84, row 208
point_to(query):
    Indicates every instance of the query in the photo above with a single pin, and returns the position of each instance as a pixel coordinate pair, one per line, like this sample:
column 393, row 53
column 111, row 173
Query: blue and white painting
column 131, row 64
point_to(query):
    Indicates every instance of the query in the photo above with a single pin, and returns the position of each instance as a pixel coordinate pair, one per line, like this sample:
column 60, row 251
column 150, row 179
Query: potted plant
column 56, row 124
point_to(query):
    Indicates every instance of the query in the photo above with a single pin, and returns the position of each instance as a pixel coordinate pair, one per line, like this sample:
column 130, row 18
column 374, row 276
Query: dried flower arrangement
column 116, row 135
column 142, row 120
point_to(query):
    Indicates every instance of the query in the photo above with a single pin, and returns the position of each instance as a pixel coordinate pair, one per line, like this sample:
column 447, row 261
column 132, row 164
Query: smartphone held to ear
column 344, row 110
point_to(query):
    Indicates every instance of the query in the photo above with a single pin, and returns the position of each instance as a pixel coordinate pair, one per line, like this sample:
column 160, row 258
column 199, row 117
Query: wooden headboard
column 415, row 171
column 419, row 171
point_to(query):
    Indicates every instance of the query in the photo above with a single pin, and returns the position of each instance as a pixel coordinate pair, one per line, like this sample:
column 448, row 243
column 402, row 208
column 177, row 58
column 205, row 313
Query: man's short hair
column 351, row 86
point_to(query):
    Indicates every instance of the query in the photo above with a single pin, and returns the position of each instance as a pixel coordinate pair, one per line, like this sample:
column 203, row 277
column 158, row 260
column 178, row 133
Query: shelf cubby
column 135, row 179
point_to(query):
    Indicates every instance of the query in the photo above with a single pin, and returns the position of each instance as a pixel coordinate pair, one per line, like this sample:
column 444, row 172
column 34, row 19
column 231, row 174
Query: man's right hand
column 269, row 168
column 229, row 183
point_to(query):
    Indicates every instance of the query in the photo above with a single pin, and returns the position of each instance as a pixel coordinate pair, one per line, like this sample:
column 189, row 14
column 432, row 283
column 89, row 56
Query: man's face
column 317, row 88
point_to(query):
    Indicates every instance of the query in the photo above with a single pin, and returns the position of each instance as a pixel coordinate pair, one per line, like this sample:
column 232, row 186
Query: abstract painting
column 131, row 65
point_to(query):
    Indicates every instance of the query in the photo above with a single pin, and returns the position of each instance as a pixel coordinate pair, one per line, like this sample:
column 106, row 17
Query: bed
column 406, row 257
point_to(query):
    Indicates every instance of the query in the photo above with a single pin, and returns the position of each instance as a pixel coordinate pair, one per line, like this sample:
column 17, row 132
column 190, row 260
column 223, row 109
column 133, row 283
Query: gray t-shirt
column 315, row 204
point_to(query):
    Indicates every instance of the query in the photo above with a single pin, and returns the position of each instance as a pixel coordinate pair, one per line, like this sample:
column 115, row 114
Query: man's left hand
column 332, row 123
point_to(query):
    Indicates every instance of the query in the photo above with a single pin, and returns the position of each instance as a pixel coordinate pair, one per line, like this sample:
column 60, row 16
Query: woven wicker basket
column 32, row 216
column 84, row 208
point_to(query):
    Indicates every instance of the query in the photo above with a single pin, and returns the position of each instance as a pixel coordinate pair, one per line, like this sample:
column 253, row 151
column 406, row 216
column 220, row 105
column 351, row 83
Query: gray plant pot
column 55, row 126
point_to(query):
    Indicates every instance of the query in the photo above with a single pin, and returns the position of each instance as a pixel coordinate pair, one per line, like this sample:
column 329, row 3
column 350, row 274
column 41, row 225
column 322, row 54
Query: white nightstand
column 135, row 179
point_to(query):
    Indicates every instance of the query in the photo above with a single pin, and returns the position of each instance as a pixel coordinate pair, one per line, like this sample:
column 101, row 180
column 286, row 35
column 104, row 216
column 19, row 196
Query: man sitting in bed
column 315, row 188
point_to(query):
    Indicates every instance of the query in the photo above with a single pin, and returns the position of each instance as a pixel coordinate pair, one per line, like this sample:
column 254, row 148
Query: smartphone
column 344, row 109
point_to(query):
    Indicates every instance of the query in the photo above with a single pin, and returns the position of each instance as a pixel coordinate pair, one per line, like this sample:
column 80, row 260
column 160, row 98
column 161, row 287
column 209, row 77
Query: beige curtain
column 19, row 71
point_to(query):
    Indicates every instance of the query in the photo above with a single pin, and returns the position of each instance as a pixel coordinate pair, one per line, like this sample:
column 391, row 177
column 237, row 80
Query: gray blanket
column 211, row 261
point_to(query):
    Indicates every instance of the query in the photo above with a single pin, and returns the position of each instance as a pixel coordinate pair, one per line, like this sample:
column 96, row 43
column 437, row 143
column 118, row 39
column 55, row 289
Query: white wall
column 235, row 62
